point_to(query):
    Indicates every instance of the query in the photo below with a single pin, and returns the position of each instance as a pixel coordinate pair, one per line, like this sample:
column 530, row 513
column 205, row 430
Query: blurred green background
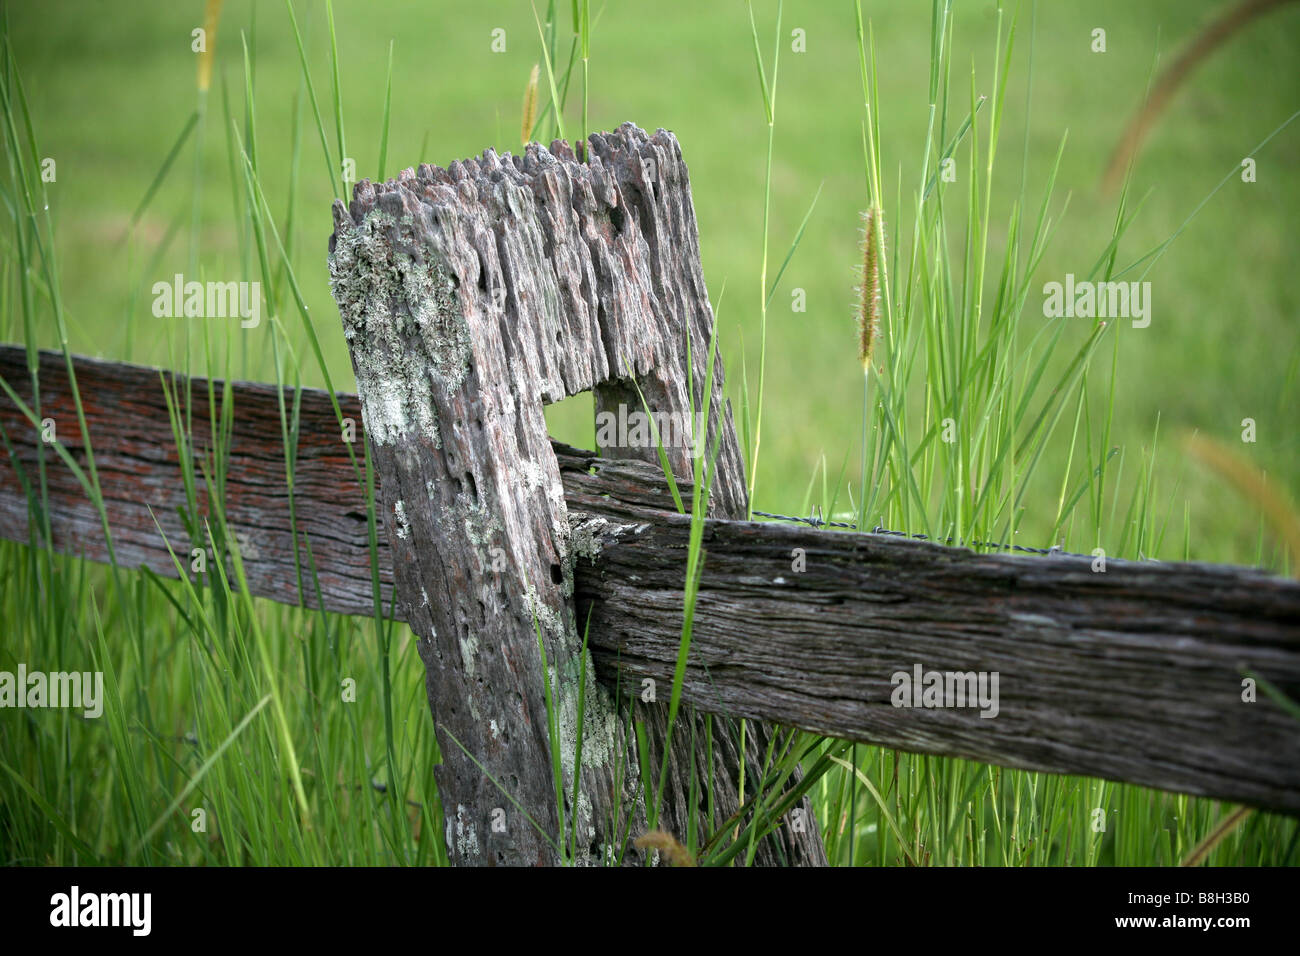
column 111, row 87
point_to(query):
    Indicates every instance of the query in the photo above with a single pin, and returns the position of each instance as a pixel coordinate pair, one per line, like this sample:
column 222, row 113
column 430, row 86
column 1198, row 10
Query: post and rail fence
column 474, row 295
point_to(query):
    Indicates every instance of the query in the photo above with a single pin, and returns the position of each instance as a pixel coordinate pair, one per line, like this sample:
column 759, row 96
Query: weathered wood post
column 470, row 297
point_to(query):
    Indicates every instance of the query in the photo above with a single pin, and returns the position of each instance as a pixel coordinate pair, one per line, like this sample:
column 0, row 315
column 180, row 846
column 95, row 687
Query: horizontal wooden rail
column 1133, row 674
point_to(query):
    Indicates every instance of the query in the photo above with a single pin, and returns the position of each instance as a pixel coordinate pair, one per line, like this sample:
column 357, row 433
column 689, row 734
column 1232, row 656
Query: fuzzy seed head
column 868, row 310
column 672, row 851
column 530, row 107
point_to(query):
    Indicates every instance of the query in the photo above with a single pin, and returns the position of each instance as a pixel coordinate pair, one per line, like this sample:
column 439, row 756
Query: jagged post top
column 590, row 271
column 628, row 173
column 605, row 150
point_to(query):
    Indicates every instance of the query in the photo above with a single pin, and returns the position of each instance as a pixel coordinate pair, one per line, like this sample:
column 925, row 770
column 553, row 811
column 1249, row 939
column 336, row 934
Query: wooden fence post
column 470, row 297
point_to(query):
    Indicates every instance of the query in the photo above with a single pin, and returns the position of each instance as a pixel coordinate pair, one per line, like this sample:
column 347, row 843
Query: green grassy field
column 110, row 94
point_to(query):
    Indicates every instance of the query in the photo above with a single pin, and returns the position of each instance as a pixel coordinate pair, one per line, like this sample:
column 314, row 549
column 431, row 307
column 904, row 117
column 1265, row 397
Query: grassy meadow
column 1068, row 432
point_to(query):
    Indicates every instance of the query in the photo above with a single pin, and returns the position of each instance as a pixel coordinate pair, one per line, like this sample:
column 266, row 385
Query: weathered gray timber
column 471, row 297
column 1133, row 674
column 1136, row 673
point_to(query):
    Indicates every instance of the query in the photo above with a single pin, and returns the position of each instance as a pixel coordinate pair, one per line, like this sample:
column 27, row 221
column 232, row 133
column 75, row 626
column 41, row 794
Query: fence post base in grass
column 471, row 297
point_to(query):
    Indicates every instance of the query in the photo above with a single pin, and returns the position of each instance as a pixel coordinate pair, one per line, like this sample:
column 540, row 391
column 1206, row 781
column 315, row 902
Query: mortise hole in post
column 572, row 420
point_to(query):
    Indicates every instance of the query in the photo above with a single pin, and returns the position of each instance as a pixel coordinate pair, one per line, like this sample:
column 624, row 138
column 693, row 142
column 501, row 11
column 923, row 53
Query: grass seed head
column 530, row 107
column 210, row 20
column 869, row 292
column 667, row 845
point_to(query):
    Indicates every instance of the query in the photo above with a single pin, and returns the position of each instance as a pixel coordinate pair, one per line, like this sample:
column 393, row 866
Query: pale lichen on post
column 394, row 293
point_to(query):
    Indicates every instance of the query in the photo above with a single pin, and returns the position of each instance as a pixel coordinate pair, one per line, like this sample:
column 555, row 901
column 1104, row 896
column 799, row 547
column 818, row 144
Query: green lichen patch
column 403, row 323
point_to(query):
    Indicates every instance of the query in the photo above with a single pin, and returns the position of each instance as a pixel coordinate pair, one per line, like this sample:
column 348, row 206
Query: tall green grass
column 963, row 395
